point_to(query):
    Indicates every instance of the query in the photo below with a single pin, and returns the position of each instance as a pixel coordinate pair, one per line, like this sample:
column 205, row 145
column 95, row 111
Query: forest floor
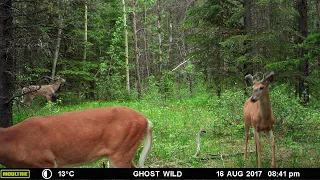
column 176, row 123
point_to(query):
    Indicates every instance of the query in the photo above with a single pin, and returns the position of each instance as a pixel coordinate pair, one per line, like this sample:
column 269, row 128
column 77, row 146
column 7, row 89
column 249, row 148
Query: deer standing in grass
column 258, row 114
column 46, row 91
column 77, row 138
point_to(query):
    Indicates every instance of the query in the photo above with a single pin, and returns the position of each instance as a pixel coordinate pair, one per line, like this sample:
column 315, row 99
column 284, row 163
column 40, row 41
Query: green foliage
column 285, row 107
column 116, row 50
column 112, row 75
column 231, row 105
column 225, row 46
column 291, row 117
column 213, row 35
column 152, row 92
column 311, row 43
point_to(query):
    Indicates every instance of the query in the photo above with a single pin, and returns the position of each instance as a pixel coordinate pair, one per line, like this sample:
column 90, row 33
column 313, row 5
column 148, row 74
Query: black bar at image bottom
column 161, row 173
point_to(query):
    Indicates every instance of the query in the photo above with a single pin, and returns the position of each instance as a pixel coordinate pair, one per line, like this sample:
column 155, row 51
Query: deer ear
column 269, row 78
column 249, row 80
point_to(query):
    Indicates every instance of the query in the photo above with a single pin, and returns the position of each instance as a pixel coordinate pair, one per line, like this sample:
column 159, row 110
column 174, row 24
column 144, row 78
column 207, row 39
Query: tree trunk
column 303, row 90
column 247, row 21
column 56, row 51
column 170, row 39
column 318, row 15
column 319, row 63
column 318, row 10
column 247, row 66
column 85, row 30
column 247, row 17
column 126, row 45
column 134, row 21
column 160, row 39
column 145, row 37
column 6, row 63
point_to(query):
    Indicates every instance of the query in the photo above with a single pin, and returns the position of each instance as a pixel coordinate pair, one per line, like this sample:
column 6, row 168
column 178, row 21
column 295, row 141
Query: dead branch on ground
column 198, row 141
column 216, row 156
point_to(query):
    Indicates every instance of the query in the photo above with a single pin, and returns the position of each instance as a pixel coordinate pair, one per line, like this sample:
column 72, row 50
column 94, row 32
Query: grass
column 176, row 123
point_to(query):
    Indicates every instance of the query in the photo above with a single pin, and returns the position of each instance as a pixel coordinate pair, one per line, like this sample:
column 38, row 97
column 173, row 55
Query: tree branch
column 198, row 141
column 216, row 156
column 179, row 65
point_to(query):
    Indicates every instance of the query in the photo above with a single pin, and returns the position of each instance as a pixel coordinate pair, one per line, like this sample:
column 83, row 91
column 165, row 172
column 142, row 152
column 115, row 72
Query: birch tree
column 159, row 38
column 134, row 22
column 126, row 45
column 85, row 30
column 57, row 47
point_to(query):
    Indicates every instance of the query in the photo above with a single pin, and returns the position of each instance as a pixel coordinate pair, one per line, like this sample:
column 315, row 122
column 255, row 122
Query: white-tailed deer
column 46, row 91
column 76, row 138
column 258, row 114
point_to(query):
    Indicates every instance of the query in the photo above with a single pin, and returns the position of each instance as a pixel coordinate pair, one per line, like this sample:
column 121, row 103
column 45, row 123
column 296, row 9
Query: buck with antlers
column 47, row 91
column 258, row 114
column 76, row 138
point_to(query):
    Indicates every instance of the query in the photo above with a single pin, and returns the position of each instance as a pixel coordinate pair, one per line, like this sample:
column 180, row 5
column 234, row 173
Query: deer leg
column 271, row 137
column 258, row 148
column 28, row 100
column 120, row 162
column 110, row 164
column 246, row 130
column 49, row 98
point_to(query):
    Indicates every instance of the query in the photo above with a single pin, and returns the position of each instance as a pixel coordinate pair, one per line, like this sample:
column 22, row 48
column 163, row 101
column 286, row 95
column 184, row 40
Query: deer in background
column 258, row 114
column 77, row 138
column 47, row 91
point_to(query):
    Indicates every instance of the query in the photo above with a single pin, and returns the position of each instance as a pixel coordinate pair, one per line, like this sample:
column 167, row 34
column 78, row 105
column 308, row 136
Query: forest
column 180, row 63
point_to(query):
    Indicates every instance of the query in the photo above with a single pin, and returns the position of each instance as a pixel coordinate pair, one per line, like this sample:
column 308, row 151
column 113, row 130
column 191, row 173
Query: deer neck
column 265, row 107
column 56, row 86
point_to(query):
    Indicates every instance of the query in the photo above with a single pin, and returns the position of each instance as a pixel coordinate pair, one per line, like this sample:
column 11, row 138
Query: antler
column 269, row 77
column 249, row 79
column 57, row 78
column 48, row 77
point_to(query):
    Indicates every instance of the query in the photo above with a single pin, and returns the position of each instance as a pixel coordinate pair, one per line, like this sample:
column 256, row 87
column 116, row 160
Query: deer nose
column 253, row 99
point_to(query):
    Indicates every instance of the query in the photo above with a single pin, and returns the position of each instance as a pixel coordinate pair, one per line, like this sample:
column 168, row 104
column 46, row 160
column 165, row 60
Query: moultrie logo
column 14, row 173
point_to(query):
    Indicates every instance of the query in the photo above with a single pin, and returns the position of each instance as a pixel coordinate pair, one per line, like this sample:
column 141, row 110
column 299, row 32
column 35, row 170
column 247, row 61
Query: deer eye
column 261, row 87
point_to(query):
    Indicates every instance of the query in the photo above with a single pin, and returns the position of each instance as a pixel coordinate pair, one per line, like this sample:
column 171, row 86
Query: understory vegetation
column 176, row 121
